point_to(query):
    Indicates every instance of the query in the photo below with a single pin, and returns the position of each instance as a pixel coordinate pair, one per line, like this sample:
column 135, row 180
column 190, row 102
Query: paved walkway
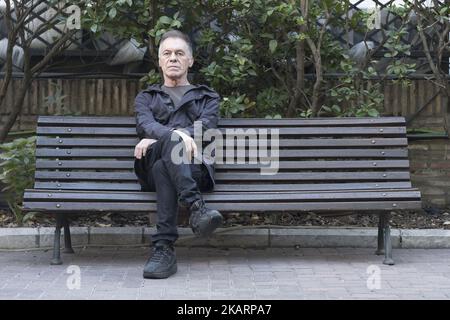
column 207, row 273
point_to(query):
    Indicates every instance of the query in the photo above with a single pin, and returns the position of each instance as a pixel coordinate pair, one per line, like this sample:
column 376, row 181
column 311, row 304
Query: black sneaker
column 204, row 221
column 162, row 264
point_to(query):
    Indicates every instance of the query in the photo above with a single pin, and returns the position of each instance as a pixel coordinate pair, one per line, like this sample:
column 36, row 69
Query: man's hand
column 189, row 143
column 141, row 148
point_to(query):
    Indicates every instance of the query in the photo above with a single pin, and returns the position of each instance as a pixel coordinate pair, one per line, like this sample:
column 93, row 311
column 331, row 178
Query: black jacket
column 156, row 115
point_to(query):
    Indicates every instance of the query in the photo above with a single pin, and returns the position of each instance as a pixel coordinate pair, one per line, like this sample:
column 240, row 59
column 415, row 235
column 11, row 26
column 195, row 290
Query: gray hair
column 176, row 34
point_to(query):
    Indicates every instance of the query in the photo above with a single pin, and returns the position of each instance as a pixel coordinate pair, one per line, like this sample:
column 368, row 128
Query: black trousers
column 175, row 185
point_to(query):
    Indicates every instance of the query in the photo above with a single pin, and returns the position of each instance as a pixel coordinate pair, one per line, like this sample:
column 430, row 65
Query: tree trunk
column 304, row 6
column 292, row 104
column 300, row 80
column 317, row 85
column 18, row 105
column 300, row 65
column 12, row 33
column 152, row 47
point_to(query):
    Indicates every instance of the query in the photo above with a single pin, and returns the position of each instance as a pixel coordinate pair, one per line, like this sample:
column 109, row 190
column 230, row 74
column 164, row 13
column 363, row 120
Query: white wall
column 49, row 36
column 369, row 4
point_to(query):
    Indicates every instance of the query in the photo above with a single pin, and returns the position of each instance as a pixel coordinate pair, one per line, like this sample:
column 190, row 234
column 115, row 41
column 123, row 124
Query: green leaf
column 28, row 216
column 165, row 20
column 241, row 60
column 112, row 13
column 300, row 21
column 266, row 35
column 373, row 113
column 336, row 108
column 176, row 24
column 94, row 28
column 273, row 45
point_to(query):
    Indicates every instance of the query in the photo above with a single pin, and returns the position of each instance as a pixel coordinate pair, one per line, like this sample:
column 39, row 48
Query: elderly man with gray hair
column 165, row 116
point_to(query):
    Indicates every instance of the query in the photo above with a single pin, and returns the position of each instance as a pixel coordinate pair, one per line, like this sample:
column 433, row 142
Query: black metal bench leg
column 67, row 239
column 380, row 238
column 387, row 242
column 56, row 242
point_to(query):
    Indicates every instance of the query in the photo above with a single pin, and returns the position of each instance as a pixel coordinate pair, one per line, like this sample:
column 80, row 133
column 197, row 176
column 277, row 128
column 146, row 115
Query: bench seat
column 361, row 165
column 111, row 201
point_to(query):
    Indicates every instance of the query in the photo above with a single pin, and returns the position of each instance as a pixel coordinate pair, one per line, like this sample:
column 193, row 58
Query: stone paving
column 219, row 274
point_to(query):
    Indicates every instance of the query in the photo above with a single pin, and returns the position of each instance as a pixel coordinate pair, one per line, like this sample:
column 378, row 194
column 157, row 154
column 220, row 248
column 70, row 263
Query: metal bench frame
column 85, row 164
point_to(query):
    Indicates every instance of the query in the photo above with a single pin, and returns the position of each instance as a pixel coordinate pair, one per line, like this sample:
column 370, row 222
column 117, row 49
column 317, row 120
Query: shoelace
column 159, row 254
column 202, row 209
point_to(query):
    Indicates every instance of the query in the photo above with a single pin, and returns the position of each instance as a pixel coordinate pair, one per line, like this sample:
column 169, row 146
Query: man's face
column 175, row 58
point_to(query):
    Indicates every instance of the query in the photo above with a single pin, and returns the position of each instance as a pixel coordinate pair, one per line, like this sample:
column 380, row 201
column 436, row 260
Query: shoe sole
column 161, row 275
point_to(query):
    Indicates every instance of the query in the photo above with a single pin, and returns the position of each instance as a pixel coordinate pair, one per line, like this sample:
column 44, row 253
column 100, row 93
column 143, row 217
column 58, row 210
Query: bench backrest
column 96, row 153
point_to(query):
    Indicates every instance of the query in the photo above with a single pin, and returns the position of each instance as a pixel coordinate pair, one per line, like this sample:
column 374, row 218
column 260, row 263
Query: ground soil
column 429, row 218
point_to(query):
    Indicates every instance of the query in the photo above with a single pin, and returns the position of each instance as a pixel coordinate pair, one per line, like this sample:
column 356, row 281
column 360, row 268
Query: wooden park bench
column 85, row 164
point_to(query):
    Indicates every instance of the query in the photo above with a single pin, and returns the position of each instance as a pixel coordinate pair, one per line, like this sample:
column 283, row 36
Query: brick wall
column 430, row 170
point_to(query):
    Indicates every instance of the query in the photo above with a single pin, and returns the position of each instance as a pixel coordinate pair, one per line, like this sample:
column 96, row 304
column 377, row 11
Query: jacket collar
column 198, row 92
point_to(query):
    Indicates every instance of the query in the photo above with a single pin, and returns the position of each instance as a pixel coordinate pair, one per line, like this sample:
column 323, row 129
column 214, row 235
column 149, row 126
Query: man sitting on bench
column 165, row 116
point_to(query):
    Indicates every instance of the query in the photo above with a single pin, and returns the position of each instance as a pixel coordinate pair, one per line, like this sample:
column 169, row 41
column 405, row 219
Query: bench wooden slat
column 310, row 187
column 290, row 143
column 91, row 131
column 122, row 164
column 312, row 122
column 350, row 195
column 304, row 176
column 312, row 131
column 131, row 186
column 130, row 121
column 84, row 164
column 86, row 153
column 227, row 187
column 226, row 207
column 344, row 164
column 86, row 142
column 86, row 121
column 313, row 176
column 109, row 176
column 298, row 154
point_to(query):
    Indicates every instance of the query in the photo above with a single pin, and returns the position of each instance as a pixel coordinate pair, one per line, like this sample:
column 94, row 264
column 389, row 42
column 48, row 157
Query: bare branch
column 44, row 27
column 9, row 52
column 21, row 19
column 424, row 41
column 279, row 77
